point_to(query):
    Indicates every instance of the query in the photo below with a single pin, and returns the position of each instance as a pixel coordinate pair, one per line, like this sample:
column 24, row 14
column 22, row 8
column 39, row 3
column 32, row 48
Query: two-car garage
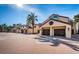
column 57, row 32
column 57, row 28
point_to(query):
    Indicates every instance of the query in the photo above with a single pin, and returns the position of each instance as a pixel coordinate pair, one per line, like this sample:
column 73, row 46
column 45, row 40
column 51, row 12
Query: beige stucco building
column 36, row 29
column 58, row 26
column 26, row 29
column 20, row 29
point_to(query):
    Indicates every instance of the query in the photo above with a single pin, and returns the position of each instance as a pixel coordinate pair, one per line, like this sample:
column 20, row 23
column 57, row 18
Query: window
column 51, row 23
column 54, row 17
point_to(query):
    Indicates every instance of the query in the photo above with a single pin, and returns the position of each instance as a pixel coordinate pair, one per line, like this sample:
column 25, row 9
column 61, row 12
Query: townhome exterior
column 26, row 29
column 20, row 29
column 56, row 25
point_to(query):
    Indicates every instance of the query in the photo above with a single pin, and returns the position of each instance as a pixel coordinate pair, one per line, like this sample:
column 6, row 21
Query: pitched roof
column 59, row 15
column 55, row 20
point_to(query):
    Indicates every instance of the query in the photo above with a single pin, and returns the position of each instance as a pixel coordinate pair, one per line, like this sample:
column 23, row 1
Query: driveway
column 75, row 37
column 28, row 43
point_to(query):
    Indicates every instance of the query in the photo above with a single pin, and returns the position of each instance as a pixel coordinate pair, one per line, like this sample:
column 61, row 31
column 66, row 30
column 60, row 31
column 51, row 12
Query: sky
column 17, row 13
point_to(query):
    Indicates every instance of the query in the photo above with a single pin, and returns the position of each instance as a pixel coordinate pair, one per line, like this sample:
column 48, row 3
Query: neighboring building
column 16, row 30
column 23, row 29
column 36, row 29
column 56, row 25
column 26, row 29
column 20, row 29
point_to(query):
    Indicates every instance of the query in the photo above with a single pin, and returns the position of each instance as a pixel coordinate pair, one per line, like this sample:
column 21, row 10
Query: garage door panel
column 46, row 32
column 59, row 32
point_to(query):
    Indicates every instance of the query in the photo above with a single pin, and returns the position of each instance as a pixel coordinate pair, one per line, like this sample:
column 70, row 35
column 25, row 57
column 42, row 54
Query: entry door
column 59, row 32
column 46, row 32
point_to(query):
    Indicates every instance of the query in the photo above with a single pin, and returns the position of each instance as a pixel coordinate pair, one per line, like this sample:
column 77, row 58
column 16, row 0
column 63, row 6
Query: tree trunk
column 33, row 29
column 74, row 26
column 33, row 26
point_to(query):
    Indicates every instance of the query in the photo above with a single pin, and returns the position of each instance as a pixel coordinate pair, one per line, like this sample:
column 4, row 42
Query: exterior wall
column 58, row 24
column 36, row 29
column 29, row 31
column 24, row 30
column 16, row 30
column 68, row 31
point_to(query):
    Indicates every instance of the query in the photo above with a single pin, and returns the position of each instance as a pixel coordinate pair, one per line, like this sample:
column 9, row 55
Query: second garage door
column 59, row 32
column 46, row 32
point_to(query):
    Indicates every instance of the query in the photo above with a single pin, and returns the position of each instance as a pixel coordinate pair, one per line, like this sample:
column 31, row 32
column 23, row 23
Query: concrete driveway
column 34, row 44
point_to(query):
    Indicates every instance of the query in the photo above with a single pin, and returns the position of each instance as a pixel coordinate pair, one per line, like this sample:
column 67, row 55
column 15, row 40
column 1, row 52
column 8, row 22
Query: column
column 51, row 31
column 68, row 31
column 40, row 33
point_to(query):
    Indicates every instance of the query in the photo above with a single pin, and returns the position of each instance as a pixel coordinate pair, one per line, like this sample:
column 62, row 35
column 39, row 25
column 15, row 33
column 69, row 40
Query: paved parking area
column 29, row 43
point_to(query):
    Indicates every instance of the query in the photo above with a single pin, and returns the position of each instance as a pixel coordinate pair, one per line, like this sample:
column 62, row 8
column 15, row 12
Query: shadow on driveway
column 57, row 42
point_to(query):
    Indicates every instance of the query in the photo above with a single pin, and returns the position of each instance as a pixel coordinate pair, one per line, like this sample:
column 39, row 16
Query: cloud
column 28, row 9
column 37, row 12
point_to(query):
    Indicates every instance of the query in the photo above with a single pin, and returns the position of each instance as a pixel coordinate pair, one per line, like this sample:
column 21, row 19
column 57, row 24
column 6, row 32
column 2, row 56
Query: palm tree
column 17, row 26
column 9, row 28
column 76, row 18
column 4, row 27
column 31, row 20
column 14, row 25
column 0, row 28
